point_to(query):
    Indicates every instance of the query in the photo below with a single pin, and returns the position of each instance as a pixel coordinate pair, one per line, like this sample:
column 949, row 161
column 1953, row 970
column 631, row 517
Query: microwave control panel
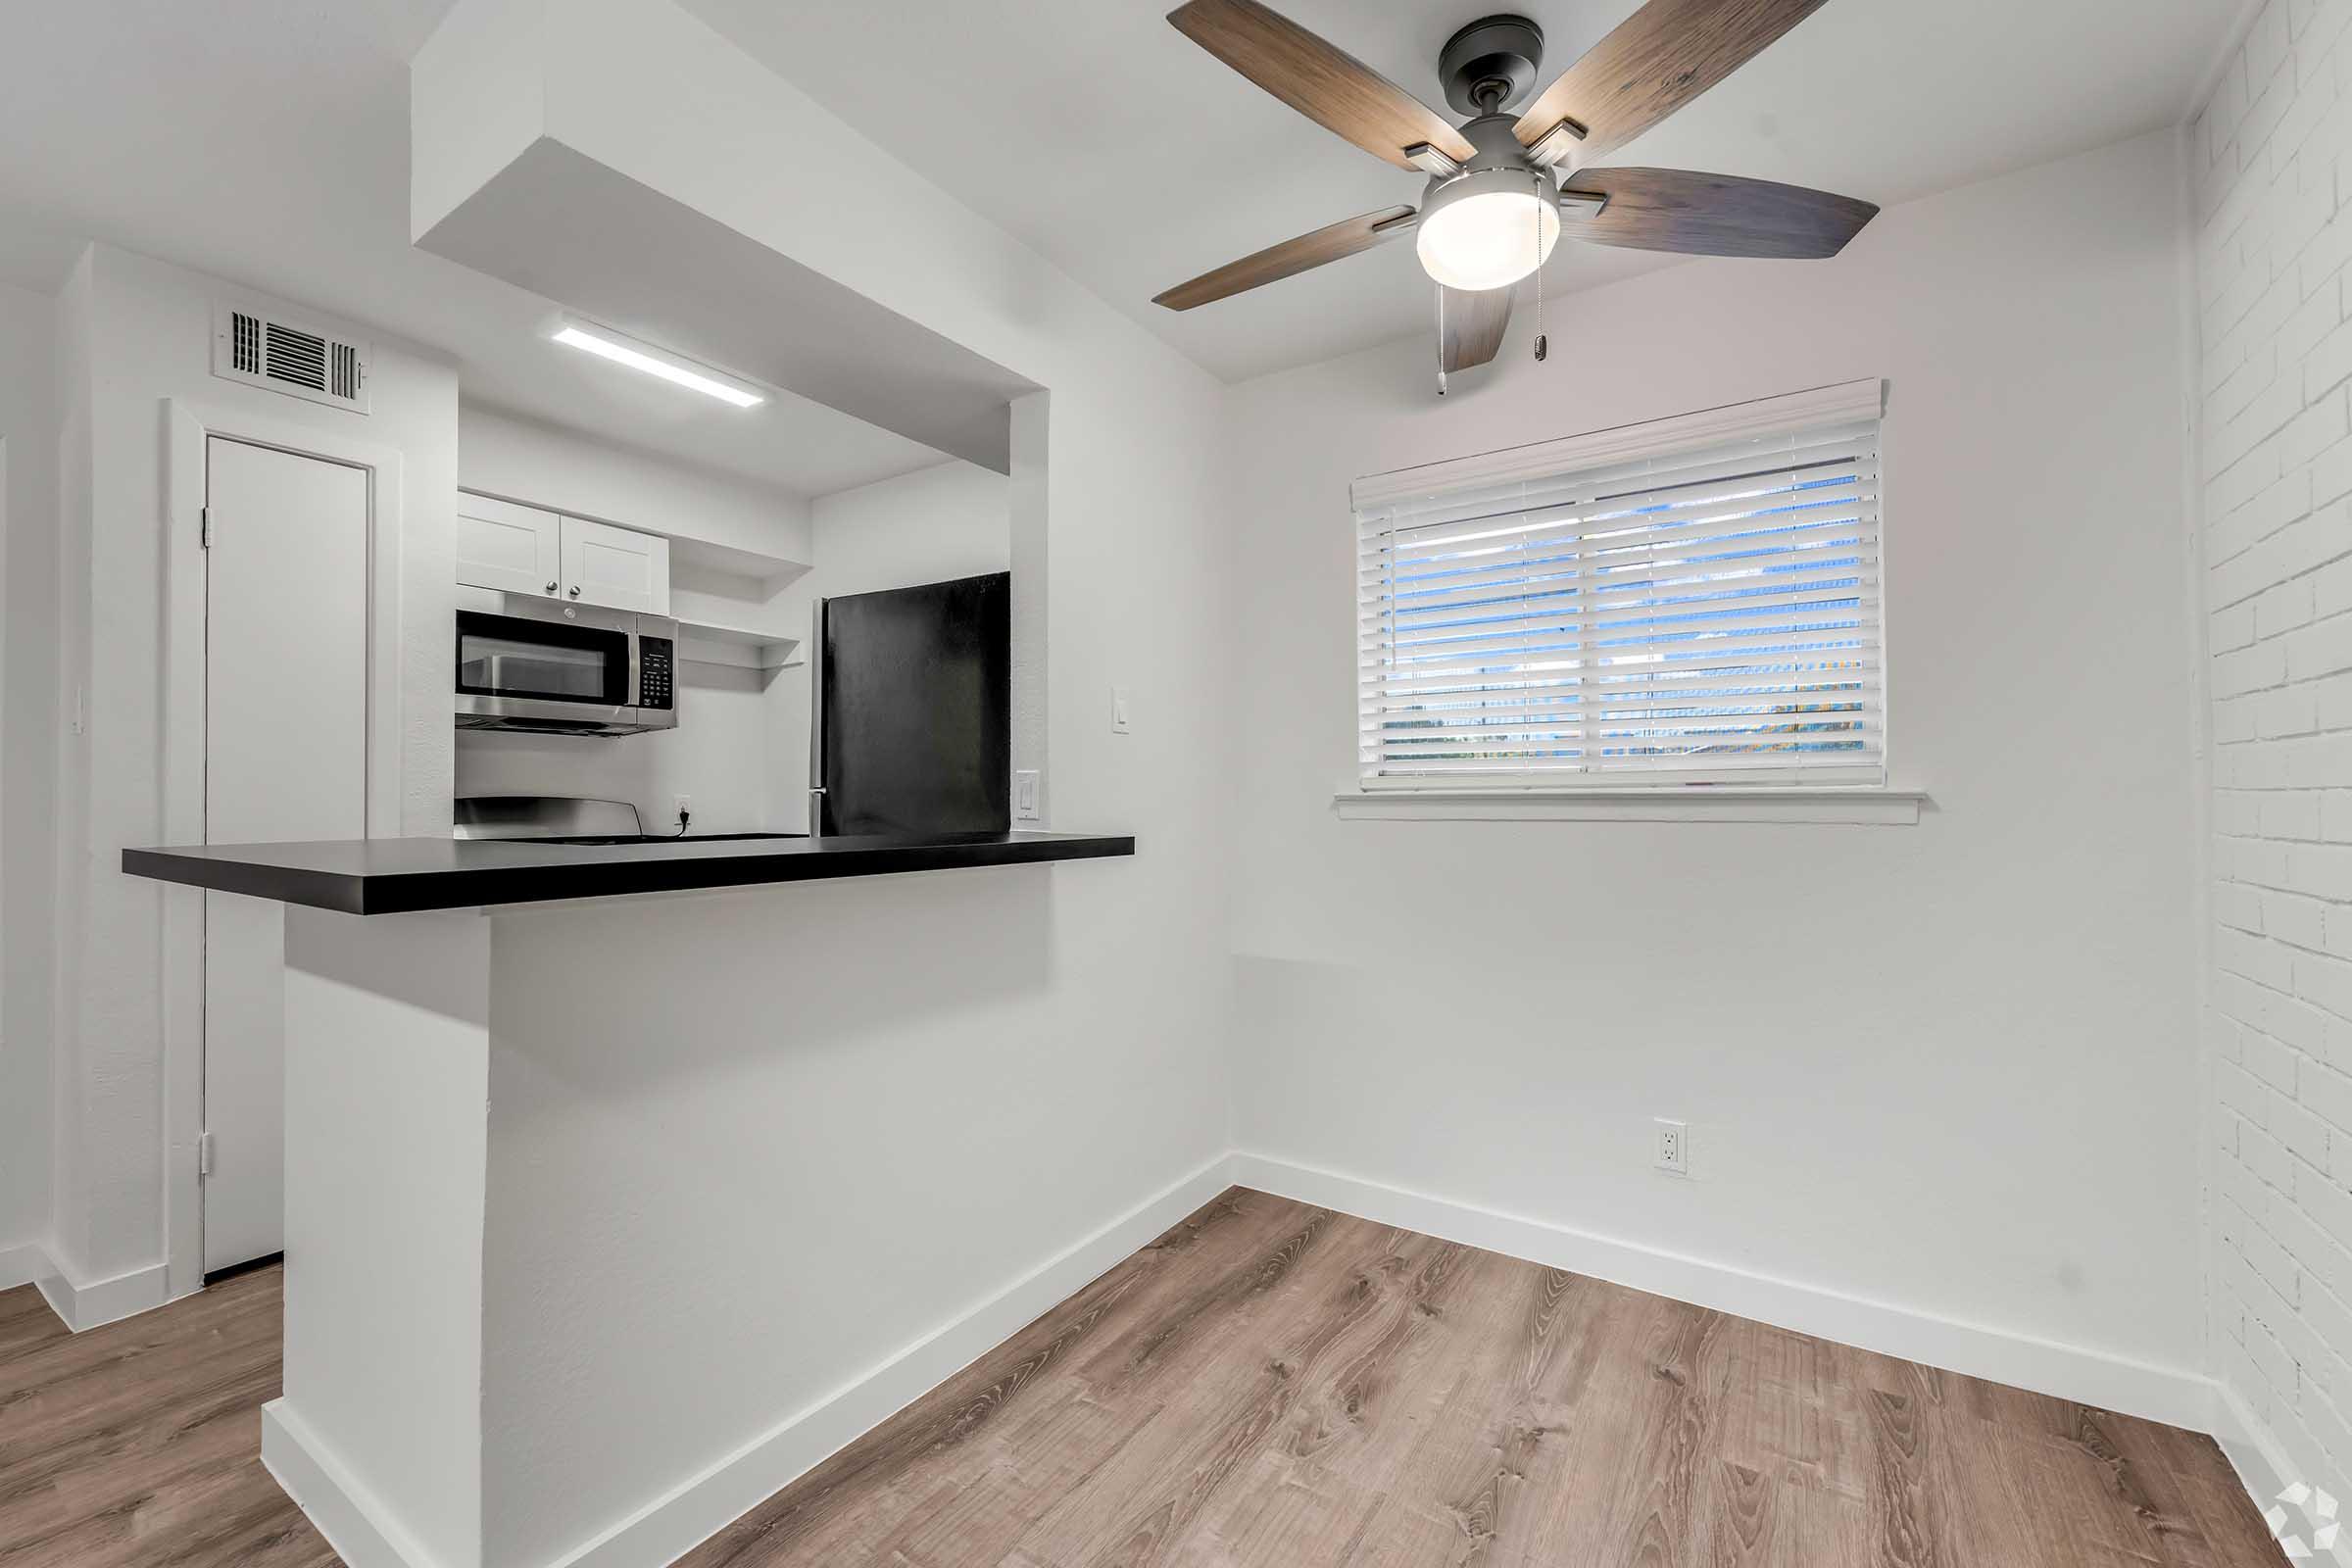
column 653, row 672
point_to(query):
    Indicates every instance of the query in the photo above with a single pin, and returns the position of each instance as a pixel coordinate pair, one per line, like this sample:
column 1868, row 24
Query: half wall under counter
column 566, row 1170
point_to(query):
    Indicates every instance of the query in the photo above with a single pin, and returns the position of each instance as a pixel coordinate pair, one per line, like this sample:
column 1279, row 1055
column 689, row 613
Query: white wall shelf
column 746, row 648
column 767, row 574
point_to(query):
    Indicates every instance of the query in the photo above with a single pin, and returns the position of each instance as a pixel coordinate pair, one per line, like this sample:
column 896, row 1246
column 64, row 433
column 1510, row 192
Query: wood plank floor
column 140, row 1442
column 1267, row 1384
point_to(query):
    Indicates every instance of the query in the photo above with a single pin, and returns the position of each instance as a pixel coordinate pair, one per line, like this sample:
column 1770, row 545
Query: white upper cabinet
column 618, row 568
column 513, row 549
column 528, row 550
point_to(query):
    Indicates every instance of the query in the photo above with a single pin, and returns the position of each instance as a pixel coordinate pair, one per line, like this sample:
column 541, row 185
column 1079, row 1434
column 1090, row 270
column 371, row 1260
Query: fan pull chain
column 1440, row 340
column 1542, row 344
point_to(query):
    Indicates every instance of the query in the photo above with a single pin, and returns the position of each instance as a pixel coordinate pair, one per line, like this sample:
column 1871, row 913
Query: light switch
column 1119, row 711
column 1024, row 794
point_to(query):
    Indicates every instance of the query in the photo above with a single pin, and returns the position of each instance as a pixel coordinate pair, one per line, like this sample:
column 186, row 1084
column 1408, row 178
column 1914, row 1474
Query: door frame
column 188, row 424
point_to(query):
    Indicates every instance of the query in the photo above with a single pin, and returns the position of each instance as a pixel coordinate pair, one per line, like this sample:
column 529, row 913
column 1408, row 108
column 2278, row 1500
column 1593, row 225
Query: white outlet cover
column 1671, row 1146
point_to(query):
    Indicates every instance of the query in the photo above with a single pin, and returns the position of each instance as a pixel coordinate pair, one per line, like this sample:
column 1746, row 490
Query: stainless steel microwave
column 566, row 670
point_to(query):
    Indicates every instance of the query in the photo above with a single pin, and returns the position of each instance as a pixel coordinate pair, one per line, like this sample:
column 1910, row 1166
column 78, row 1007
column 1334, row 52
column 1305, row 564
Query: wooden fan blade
column 1329, row 86
column 1712, row 214
column 1470, row 325
column 1659, row 58
column 1327, row 244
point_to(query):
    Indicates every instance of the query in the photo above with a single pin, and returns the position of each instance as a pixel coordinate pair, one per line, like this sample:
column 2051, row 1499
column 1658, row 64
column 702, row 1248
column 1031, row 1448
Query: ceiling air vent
column 266, row 346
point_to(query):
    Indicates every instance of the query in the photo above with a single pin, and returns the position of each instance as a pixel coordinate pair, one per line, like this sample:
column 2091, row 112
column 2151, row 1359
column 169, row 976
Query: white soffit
column 559, row 223
column 267, row 142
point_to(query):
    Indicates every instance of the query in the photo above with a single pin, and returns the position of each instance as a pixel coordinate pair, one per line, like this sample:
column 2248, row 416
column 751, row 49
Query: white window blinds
column 1694, row 601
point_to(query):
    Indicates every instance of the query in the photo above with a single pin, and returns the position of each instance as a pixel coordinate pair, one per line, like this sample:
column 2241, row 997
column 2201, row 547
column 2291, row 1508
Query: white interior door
column 616, row 568
column 285, row 695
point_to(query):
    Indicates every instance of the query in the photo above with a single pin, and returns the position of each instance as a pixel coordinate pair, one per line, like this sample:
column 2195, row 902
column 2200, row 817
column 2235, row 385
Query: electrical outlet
column 1673, row 1154
column 684, row 811
column 1024, row 794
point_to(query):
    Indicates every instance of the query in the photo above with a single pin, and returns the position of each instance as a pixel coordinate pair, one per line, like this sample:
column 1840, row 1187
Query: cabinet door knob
column 551, row 587
column 575, row 589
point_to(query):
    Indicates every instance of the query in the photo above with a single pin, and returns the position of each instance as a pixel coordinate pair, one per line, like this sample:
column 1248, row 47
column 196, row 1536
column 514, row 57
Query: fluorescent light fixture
column 654, row 362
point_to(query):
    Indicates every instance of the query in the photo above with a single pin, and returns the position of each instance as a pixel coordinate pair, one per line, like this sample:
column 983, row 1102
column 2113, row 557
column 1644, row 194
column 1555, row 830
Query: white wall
column 27, row 763
column 1106, row 1045
column 540, row 465
column 386, row 1024
column 719, row 755
column 2276, row 466
column 1948, row 1068
column 68, row 622
column 952, row 519
column 140, row 332
column 949, row 520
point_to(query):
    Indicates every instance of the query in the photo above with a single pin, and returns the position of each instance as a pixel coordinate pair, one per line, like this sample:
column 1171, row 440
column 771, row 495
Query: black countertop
column 395, row 876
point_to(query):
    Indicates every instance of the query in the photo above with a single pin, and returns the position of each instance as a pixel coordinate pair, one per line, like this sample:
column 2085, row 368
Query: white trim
column 81, row 1304
column 1712, row 804
column 22, row 1264
column 2262, row 1465
column 189, row 423
column 698, row 1507
column 180, row 766
column 2177, row 1397
column 1848, row 400
column 350, row 1517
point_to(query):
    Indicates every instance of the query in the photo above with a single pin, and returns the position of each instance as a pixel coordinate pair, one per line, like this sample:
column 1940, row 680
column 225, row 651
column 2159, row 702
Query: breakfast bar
column 396, row 876
column 544, row 1136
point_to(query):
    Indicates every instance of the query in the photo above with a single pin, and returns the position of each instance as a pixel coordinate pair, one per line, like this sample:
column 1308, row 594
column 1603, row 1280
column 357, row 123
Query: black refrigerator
column 914, row 724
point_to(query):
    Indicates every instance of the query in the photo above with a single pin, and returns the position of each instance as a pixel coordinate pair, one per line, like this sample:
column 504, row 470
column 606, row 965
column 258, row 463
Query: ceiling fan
column 1503, row 189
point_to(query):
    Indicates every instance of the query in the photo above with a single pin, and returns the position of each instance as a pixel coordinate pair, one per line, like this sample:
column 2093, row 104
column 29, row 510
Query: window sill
column 1713, row 803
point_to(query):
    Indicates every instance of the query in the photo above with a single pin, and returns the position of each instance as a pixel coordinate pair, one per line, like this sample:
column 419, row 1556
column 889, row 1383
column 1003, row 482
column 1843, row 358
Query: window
column 1694, row 601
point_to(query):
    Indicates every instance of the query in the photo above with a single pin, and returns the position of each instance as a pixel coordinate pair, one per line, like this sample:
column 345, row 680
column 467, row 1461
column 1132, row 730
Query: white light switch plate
column 1119, row 711
column 1024, row 794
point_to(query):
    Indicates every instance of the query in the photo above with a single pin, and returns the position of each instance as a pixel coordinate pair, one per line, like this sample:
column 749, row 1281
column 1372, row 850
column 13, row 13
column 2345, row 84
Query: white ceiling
column 265, row 140
column 1101, row 136
column 268, row 141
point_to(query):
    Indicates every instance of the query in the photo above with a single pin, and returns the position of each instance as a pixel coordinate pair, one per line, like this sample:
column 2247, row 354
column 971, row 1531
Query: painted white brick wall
column 2271, row 163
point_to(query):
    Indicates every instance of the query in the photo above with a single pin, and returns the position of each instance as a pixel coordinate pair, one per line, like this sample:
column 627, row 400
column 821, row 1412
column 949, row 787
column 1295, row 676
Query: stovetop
column 569, row 819
column 645, row 838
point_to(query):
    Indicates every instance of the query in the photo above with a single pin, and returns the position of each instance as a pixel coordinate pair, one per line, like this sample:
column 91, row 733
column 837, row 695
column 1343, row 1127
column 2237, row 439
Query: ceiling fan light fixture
column 1487, row 229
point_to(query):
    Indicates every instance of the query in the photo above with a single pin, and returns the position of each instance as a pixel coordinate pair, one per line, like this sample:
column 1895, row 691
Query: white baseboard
column 344, row 1511
column 22, row 1264
column 702, row 1504
column 81, row 1303
column 708, row 1503
column 2177, row 1397
column 2261, row 1462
